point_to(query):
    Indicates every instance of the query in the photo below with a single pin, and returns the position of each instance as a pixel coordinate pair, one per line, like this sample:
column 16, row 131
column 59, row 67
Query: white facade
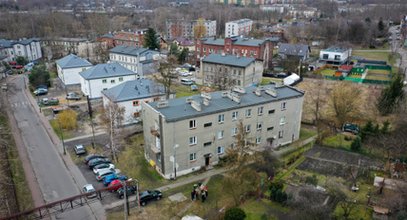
column 238, row 27
column 70, row 76
column 31, row 51
column 335, row 55
column 210, row 27
column 94, row 87
column 8, row 53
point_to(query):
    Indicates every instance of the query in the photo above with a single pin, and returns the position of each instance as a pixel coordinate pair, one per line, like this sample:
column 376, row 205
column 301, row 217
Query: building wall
column 274, row 132
column 70, row 76
column 8, row 53
column 31, row 51
column 184, row 28
column 243, row 76
column 236, row 28
column 93, row 88
column 331, row 55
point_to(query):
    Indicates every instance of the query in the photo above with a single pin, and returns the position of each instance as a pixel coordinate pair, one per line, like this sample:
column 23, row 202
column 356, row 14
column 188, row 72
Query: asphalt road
column 52, row 175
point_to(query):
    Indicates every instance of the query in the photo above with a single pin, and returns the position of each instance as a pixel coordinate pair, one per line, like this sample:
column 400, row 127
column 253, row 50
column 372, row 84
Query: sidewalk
column 84, row 136
column 178, row 183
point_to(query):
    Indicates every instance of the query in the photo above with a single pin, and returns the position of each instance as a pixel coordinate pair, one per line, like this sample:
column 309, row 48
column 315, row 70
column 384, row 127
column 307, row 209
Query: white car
column 88, row 188
column 103, row 167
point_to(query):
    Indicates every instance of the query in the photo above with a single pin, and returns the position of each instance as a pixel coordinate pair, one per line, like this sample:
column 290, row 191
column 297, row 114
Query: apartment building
column 187, row 134
column 240, row 27
column 243, row 2
column 225, row 71
column 27, row 48
column 69, row 67
column 176, row 28
column 239, row 46
column 137, row 59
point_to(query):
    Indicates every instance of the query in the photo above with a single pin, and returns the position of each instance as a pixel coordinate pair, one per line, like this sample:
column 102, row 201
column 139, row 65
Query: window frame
column 193, row 122
column 194, row 140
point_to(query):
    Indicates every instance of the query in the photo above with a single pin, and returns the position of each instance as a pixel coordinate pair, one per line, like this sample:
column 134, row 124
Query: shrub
column 356, row 144
column 235, row 213
column 312, row 180
column 67, row 119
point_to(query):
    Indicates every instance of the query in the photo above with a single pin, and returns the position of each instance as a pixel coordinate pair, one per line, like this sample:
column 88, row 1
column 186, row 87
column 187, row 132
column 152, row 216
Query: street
column 57, row 178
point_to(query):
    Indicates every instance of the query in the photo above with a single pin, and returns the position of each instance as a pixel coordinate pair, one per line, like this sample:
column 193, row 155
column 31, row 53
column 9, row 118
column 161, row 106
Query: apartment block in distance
column 240, row 27
column 176, row 28
column 187, row 134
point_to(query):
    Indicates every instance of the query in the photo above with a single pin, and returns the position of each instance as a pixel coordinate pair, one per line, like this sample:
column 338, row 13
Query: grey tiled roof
column 106, row 70
column 72, row 61
column 229, row 60
column 178, row 109
column 6, row 43
column 28, row 41
column 293, row 49
column 235, row 41
column 134, row 89
column 129, row 50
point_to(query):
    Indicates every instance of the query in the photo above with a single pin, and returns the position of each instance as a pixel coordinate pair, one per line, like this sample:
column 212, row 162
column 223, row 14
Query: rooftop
column 6, row 43
column 240, row 21
column 134, row 89
column 335, row 49
column 229, row 60
column 293, row 49
column 235, row 40
column 106, row 70
column 178, row 109
column 130, row 50
column 72, row 61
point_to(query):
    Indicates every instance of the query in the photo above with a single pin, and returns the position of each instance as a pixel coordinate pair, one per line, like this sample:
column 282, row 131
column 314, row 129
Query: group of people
column 199, row 190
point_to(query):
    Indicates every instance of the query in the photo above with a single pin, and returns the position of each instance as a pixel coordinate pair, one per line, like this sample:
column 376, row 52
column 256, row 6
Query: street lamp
column 174, row 162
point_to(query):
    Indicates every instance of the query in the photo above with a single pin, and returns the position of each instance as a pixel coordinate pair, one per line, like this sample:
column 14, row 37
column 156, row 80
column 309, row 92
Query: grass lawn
column 306, row 133
column 267, row 80
column 359, row 212
column 355, row 76
column 372, row 55
column 262, row 209
column 337, row 141
column 66, row 133
column 53, row 75
column 328, row 72
column 378, row 77
column 182, row 91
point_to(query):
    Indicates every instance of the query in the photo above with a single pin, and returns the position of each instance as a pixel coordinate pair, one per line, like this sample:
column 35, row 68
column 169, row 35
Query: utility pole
column 126, row 200
column 112, row 147
column 90, row 111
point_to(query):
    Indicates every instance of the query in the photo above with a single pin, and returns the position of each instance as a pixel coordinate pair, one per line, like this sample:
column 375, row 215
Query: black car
column 150, row 195
column 96, row 161
column 131, row 190
column 91, row 157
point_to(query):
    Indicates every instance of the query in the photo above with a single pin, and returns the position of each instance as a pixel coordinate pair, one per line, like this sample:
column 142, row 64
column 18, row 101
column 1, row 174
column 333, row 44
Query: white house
column 69, row 67
column 130, row 94
column 28, row 48
column 103, row 77
column 6, row 50
column 238, row 27
column 136, row 59
column 335, row 55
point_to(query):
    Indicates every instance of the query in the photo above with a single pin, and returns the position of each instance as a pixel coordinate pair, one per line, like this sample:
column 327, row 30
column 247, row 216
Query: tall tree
column 112, row 119
column 39, row 76
column 174, row 49
column 167, row 74
column 391, row 96
column 199, row 29
column 182, row 56
column 151, row 40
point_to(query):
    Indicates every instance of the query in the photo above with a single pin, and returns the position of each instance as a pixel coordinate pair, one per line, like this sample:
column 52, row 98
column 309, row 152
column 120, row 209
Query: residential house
column 69, row 67
column 226, row 71
column 241, row 27
column 130, row 38
column 7, row 50
column 187, row 134
column 130, row 94
column 27, row 48
column 185, row 28
column 300, row 51
column 103, row 77
column 335, row 55
column 243, row 47
column 184, row 43
column 61, row 46
column 137, row 59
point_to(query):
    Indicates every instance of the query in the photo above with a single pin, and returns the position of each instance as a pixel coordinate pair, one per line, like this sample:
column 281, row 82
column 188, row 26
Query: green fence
column 378, row 67
column 358, row 80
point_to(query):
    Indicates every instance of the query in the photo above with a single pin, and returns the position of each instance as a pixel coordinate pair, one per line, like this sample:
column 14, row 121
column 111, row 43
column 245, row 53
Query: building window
column 271, row 111
column 234, row 131
column 120, row 79
column 136, row 114
column 221, row 118
column 221, row 150
column 135, row 103
column 104, row 81
column 112, row 81
column 104, row 89
column 207, row 124
column 325, row 56
column 258, row 140
column 282, row 120
column 280, row 134
column 193, row 140
column 259, row 126
column 220, row 134
column 283, row 106
column 192, row 157
column 270, row 128
column 247, row 128
column 192, row 124
column 206, row 144
column 248, row 112
column 234, row 115
column 260, row 110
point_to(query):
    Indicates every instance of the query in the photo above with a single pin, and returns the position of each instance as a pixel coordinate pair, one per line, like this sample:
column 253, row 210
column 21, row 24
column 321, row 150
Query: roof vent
column 239, row 89
column 162, row 104
column 189, row 100
column 257, row 92
column 234, row 97
column 206, row 101
column 206, row 95
column 196, row 105
column 271, row 92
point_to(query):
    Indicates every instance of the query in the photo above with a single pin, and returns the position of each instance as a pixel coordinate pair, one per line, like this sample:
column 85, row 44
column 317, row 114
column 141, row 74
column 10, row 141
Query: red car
column 115, row 185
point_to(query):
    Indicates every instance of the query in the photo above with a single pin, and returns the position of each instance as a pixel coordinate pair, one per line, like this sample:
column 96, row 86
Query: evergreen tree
column 235, row 213
column 182, row 56
column 174, row 49
column 151, row 40
column 356, row 144
column 391, row 96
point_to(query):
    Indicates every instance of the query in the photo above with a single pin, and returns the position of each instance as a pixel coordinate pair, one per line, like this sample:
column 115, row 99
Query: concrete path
column 282, row 151
column 84, row 136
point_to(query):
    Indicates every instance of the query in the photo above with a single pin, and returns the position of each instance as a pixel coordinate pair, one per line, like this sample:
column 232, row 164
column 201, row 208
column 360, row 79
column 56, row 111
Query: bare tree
column 167, row 74
column 112, row 119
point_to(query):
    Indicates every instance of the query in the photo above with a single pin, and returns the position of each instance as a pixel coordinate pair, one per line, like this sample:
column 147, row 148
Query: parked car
column 79, row 149
column 103, row 166
column 185, row 81
column 194, row 88
column 150, row 195
column 352, row 128
column 108, row 179
column 115, row 185
column 41, row 91
column 100, row 175
column 73, row 96
column 96, row 161
column 131, row 190
column 49, row 101
column 88, row 188
column 91, row 157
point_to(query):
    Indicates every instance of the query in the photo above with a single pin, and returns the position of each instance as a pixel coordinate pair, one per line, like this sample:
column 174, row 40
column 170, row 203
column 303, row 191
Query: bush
column 356, row 144
column 234, row 213
column 276, row 192
column 39, row 76
column 312, row 180
column 67, row 119
column 21, row 60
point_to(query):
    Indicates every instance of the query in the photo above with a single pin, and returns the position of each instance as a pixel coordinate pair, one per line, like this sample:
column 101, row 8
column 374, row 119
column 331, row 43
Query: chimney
column 196, row 105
